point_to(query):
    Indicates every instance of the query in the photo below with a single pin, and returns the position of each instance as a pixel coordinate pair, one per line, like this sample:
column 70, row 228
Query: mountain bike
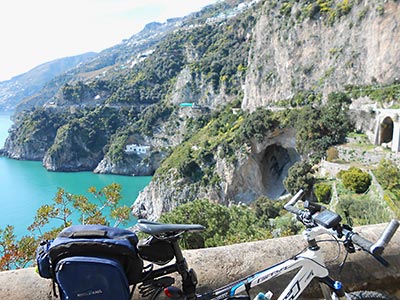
column 309, row 263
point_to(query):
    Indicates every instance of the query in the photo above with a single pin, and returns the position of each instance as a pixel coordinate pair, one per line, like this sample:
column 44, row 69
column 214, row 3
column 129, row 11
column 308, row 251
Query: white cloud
column 33, row 32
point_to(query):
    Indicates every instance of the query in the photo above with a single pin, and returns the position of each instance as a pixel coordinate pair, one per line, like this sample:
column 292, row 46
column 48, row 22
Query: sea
column 26, row 185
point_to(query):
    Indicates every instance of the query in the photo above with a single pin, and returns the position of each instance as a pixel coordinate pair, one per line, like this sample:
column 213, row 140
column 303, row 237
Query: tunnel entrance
column 386, row 131
column 274, row 165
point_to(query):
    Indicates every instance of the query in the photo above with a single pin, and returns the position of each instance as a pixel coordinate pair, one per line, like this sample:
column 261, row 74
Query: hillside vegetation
column 267, row 86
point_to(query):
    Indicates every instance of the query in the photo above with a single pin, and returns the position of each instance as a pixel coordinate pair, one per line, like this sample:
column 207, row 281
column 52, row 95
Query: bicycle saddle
column 155, row 228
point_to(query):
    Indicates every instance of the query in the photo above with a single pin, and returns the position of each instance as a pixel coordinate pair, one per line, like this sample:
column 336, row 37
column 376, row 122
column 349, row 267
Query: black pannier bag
column 93, row 262
column 155, row 250
column 43, row 260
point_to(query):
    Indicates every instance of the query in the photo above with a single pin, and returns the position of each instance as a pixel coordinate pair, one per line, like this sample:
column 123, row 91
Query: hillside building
column 136, row 149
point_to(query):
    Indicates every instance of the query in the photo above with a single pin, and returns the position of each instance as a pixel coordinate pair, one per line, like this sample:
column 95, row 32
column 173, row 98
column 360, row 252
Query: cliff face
column 295, row 51
column 289, row 55
column 259, row 171
column 132, row 165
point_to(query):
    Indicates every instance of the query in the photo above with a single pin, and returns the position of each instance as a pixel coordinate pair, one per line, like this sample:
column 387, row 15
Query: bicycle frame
column 311, row 264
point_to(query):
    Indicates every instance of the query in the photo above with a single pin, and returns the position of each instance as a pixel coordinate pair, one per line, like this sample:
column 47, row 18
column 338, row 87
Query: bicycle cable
column 334, row 239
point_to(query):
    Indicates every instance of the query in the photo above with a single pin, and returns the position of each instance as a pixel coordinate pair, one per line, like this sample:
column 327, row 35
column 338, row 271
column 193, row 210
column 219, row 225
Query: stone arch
column 386, row 130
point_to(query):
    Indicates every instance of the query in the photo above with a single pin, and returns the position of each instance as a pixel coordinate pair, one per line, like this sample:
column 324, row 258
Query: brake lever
column 380, row 259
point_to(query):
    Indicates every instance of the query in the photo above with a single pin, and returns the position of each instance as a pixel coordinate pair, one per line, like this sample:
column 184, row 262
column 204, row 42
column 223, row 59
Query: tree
column 257, row 125
column 264, row 206
column 318, row 128
column 16, row 253
column 299, row 177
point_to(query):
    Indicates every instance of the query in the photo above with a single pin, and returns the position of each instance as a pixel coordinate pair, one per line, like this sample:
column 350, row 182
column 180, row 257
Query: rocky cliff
column 310, row 48
column 259, row 170
column 295, row 49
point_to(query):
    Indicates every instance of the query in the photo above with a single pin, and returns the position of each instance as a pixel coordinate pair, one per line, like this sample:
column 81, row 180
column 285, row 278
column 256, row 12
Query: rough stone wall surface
column 289, row 55
column 218, row 266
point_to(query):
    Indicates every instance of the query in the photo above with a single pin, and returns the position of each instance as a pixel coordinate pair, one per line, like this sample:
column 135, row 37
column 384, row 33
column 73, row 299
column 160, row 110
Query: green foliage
column 285, row 225
column 323, row 192
column 85, row 132
column 267, row 209
column 362, row 210
column 356, row 180
column 380, row 93
column 154, row 115
column 222, row 53
column 257, row 125
column 388, row 175
column 16, row 253
column 302, row 98
column 320, row 128
column 327, row 10
column 299, row 177
column 218, row 135
column 264, row 206
column 223, row 225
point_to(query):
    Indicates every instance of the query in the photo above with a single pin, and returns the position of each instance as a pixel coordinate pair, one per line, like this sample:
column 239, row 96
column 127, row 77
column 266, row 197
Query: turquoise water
column 26, row 185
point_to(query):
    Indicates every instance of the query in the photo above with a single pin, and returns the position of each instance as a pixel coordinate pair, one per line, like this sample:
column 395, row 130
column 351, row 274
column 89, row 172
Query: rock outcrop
column 259, row 171
column 289, row 55
column 132, row 165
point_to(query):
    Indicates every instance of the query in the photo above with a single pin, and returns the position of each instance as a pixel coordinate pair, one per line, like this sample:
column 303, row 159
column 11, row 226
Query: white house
column 138, row 149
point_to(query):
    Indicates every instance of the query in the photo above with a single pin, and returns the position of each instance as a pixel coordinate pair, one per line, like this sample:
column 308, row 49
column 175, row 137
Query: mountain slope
column 19, row 87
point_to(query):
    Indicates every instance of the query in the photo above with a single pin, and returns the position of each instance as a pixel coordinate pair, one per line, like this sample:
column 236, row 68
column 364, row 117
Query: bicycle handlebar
column 290, row 205
column 377, row 247
column 385, row 237
column 307, row 218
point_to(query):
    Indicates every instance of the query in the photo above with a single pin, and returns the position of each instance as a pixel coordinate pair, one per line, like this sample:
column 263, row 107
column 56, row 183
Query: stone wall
column 218, row 266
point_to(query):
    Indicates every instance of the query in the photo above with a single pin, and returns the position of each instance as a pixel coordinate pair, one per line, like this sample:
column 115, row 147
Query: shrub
column 356, row 180
column 264, row 206
column 323, row 192
column 224, row 225
column 332, row 154
column 388, row 175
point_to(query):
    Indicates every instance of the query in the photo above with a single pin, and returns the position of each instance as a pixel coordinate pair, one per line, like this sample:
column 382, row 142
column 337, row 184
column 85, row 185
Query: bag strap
column 54, row 288
column 95, row 234
column 85, row 234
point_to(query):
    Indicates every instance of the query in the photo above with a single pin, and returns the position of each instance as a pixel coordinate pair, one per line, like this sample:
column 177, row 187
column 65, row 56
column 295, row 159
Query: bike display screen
column 327, row 218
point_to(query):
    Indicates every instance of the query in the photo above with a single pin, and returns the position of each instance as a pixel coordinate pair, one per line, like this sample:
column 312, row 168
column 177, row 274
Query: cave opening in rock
column 274, row 164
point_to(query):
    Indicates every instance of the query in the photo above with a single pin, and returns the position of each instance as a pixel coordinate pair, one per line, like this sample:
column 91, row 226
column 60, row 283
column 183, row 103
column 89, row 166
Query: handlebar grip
column 362, row 242
column 290, row 205
column 385, row 237
column 294, row 199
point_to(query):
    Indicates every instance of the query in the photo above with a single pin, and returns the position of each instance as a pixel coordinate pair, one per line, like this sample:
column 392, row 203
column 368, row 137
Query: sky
column 33, row 32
